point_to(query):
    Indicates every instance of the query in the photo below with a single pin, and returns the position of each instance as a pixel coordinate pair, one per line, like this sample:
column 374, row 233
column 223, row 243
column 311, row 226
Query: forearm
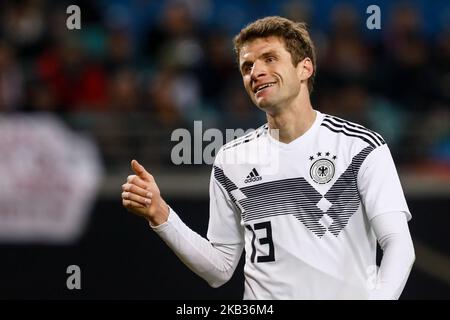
column 398, row 254
column 214, row 263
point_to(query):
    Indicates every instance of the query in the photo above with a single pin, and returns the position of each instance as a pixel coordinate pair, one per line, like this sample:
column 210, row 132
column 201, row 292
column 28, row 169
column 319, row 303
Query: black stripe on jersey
column 355, row 125
column 246, row 138
column 344, row 194
column 289, row 196
column 297, row 197
column 358, row 126
column 350, row 126
column 285, row 185
column 348, row 134
column 226, row 183
column 261, row 130
column 346, row 127
column 252, row 258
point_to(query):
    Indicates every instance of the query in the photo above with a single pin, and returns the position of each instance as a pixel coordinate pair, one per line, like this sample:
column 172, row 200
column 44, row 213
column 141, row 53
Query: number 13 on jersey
column 266, row 241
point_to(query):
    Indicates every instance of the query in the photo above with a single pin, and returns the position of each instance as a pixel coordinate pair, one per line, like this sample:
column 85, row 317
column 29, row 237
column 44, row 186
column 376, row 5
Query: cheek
column 294, row 78
column 247, row 85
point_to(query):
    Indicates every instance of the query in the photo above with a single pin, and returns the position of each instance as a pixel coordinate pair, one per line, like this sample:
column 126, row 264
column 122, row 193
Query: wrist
column 160, row 215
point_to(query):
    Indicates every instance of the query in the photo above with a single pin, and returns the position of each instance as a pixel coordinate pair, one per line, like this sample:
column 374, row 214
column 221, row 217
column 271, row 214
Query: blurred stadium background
column 77, row 105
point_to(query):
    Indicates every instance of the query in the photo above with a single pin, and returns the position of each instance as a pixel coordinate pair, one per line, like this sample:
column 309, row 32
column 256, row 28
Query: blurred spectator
column 24, row 25
column 77, row 83
column 238, row 111
column 407, row 77
column 442, row 67
column 172, row 62
column 219, row 69
column 123, row 91
column 297, row 11
column 174, row 41
column 119, row 52
column 174, row 96
column 437, row 141
column 11, row 79
column 42, row 98
column 347, row 56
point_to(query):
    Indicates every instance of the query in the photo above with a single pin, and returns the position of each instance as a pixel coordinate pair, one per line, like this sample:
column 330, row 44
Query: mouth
column 261, row 87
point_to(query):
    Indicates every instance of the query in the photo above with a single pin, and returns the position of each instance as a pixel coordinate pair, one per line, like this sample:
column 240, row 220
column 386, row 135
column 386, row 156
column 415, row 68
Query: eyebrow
column 268, row 53
column 263, row 55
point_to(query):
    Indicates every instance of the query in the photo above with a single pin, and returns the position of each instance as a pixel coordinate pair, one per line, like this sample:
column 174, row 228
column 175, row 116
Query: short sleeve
column 379, row 185
column 224, row 217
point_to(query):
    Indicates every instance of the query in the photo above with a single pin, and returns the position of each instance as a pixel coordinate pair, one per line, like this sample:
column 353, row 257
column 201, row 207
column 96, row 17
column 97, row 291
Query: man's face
column 270, row 78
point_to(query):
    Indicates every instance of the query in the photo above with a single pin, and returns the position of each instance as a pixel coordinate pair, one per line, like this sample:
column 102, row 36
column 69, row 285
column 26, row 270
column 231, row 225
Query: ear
column 305, row 69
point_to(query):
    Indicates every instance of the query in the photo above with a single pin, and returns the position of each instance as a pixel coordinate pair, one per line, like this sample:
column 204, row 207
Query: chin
column 265, row 104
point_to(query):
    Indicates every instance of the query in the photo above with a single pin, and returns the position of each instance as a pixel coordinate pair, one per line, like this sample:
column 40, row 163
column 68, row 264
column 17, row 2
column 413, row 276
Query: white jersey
column 302, row 209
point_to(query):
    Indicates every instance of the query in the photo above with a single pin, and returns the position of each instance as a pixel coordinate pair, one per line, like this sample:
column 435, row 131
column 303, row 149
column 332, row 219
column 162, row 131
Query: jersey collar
column 303, row 139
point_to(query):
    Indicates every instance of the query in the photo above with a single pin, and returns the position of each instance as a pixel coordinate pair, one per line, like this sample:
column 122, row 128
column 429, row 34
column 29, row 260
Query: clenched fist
column 141, row 196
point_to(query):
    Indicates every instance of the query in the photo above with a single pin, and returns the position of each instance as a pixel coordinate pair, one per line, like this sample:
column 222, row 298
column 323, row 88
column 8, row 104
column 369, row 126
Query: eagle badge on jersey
column 322, row 169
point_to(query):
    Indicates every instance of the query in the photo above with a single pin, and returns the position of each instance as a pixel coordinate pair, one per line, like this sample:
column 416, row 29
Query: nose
column 258, row 70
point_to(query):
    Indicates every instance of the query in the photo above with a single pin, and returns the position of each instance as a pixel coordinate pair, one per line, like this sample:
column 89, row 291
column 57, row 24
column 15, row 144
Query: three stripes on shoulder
column 351, row 129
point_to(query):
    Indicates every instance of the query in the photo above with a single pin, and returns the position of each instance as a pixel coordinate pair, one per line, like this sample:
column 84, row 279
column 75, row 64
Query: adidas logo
column 253, row 176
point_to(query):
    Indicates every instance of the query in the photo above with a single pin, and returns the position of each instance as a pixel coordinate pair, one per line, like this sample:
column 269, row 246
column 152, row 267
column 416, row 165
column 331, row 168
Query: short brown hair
column 294, row 34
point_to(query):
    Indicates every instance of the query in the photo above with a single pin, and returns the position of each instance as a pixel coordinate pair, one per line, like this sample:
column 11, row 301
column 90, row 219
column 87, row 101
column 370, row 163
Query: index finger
column 133, row 179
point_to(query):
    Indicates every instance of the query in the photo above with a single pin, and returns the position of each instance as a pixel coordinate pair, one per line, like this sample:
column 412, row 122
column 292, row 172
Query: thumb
column 140, row 170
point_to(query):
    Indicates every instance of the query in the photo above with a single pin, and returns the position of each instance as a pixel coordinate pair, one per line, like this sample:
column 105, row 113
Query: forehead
column 252, row 49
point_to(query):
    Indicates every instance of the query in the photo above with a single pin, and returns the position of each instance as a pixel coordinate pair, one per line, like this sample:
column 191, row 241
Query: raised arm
column 214, row 262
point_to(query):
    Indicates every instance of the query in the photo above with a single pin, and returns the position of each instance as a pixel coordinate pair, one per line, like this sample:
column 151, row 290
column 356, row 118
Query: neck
column 292, row 121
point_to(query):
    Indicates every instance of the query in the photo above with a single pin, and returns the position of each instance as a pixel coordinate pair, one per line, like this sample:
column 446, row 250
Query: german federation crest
column 322, row 169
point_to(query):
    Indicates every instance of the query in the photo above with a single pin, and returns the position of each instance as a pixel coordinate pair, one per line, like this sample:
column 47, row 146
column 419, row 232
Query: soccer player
column 309, row 208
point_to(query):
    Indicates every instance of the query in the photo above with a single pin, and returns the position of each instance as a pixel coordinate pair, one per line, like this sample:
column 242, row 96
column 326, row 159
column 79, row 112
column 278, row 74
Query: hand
column 141, row 196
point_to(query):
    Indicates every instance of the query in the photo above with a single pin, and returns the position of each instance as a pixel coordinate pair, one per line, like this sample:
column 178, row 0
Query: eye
column 270, row 59
column 246, row 68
